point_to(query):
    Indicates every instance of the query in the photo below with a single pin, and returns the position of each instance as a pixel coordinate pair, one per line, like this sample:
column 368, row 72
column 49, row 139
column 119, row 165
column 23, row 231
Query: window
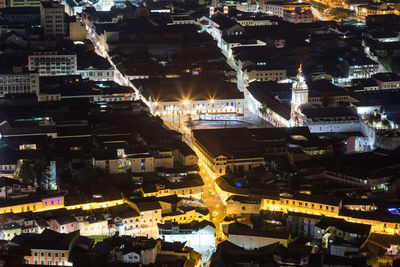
column 41, row 254
column 35, row 254
column 49, row 254
column 63, row 254
column 58, row 201
column 45, row 203
column 243, row 208
column 320, row 206
column 56, row 254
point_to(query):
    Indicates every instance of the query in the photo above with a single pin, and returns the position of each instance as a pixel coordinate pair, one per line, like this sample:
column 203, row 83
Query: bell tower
column 299, row 97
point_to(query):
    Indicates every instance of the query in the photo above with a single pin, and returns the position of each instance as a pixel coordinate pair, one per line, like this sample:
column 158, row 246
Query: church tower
column 299, row 98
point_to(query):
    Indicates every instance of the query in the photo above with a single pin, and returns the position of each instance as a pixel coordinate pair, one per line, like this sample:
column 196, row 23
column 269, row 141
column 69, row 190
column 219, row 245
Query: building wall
column 265, row 75
column 388, row 85
column 95, row 205
column 186, row 192
column 326, row 127
column 24, row 3
column 64, row 228
column 131, row 257
column 187, row 217
column 48, row 64
column 19, row 83
column 144, row 225
column 10, row 233
column 202, row 241
column 48, row 257
column 235, row 207
column 145, row 164
column 178, row 110
column 45, row 204
column 255, row 242
column 95, row 228
column 52, row 19
column 97, row 75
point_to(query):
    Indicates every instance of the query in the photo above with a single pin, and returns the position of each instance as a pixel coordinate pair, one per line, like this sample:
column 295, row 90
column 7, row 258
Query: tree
column 36, row 172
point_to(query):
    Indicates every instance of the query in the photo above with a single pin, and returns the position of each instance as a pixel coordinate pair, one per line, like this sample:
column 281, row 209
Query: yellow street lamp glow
column 185, row 102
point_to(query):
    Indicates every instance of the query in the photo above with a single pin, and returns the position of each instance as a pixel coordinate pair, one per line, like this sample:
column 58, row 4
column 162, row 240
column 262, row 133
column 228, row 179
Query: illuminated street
column 319, row 15
column 214, row 203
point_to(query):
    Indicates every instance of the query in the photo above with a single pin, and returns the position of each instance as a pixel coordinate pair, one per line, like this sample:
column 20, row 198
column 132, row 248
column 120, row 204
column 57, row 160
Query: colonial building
column 299, row 99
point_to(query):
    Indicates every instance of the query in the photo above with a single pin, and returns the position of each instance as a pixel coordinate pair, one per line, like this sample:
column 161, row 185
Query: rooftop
column 192, row 89
column 234, row 142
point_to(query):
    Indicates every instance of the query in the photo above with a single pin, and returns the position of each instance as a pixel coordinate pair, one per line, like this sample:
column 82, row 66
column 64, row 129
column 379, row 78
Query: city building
column 359, row 67
column 195, row 97
column 52, row 18
column 53, row 63
column 19, row 82
column 298, row 16
column 223, row 151
column 47, row 248
column 387, row 80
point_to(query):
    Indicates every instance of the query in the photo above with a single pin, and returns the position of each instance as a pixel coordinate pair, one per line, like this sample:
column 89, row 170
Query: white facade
column 131, row 257
column 179, row 109
column 92, row 229
column 254, row 106
column 146, row 224
column 52, row 63
column 97, row 75
column 334, row 126
column 19, row 83
column 299, row 98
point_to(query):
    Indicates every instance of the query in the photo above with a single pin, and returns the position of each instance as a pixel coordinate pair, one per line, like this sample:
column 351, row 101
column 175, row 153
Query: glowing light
column 185, row 102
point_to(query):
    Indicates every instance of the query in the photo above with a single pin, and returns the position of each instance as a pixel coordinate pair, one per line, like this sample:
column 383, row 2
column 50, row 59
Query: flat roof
column 233, row 142
column 192, row 88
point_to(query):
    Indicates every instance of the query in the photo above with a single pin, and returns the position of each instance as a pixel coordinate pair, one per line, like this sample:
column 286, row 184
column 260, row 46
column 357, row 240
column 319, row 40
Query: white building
column 199, row 236
column 52, row 63
column 19, row 83
column 97, row 75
